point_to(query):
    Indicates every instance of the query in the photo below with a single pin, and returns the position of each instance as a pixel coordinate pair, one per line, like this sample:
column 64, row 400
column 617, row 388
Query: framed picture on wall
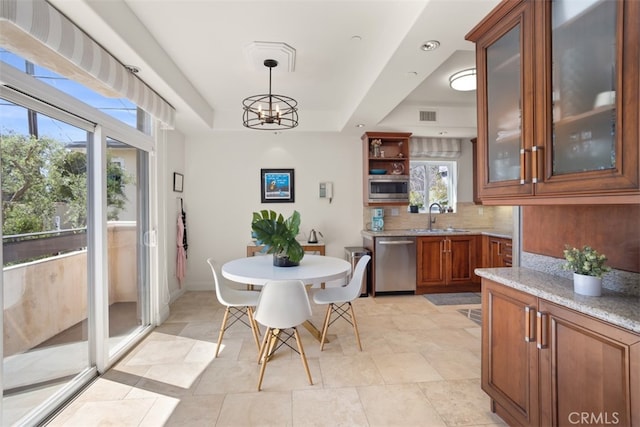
column 277, row 186
column 178, row 182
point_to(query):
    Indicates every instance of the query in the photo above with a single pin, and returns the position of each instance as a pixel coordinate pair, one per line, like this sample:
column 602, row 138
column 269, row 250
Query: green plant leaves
column 277, row 233
column 586, row 261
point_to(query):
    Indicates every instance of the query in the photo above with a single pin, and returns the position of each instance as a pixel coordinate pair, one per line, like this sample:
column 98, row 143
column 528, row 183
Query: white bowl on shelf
column 605, row 98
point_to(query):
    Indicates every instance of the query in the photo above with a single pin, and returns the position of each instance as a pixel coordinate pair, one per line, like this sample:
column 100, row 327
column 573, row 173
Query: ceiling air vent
column 428, row 116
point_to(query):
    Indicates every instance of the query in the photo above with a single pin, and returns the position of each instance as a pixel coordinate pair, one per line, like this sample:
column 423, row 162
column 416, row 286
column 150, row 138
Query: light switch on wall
column 326, row 190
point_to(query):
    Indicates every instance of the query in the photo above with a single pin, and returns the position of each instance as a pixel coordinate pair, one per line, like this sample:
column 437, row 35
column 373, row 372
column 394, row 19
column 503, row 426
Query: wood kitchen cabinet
column 544, row 364
column 447, row 263
column 509, row 353
column 496, row 252
column 390, row 158
column 558, row 97
column 587, row 366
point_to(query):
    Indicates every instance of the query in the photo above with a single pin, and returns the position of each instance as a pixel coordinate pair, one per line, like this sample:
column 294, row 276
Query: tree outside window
column 434, row 182
column 39, row 174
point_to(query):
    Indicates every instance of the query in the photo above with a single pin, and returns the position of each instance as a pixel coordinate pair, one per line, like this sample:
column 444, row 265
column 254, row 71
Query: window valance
column 434, row 147
column 38, row 32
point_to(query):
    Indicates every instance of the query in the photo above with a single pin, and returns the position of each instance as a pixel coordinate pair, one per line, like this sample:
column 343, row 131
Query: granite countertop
column 616, row 308
column 419, row 232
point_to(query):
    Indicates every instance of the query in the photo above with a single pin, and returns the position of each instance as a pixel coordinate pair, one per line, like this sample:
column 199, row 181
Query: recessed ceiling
column 193, row 53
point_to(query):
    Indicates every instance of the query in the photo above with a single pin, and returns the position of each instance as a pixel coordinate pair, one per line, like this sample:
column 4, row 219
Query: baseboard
column 163, row 314
column 201, row 285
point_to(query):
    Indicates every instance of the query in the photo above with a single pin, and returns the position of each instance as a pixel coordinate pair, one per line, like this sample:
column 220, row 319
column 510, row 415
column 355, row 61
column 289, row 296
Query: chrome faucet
column 431, row 221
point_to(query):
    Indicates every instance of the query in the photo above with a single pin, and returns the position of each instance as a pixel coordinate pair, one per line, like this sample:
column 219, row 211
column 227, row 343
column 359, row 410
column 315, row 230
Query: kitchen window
column 433, row 182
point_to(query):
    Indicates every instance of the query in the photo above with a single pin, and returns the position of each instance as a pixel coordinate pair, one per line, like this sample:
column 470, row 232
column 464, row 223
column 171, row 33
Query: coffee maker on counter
column 377, row 219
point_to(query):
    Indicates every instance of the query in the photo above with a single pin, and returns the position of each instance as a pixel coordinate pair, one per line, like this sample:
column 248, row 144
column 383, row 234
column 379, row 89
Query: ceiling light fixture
column 464, row 80
column 280, row 112
column 430, row 45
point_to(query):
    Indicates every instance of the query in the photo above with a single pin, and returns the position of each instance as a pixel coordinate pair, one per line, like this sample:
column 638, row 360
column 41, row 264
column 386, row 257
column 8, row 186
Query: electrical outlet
column 480, row 211
column 394, row 212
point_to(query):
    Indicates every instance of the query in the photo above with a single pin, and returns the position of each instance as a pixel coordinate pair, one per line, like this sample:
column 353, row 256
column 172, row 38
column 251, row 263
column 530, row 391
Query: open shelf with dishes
column 384, row 153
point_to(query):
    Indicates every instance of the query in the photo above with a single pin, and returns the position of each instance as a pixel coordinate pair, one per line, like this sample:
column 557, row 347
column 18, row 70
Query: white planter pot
column 587, row 285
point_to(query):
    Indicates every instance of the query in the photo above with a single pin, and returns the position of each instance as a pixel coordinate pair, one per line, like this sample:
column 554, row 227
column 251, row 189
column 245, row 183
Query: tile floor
column 420, row 366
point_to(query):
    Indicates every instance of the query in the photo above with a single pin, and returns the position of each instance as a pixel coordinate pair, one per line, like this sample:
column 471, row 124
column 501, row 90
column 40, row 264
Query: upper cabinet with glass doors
column 558, row 93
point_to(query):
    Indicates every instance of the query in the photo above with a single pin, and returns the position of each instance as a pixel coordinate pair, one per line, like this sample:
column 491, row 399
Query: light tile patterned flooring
column 420, row 366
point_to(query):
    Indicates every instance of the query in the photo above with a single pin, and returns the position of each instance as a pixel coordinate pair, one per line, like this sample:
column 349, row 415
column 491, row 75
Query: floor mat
column 474, row 314
column 454, row 298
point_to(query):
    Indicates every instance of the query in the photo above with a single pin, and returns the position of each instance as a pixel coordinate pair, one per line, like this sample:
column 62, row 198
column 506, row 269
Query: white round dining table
column 313, row 269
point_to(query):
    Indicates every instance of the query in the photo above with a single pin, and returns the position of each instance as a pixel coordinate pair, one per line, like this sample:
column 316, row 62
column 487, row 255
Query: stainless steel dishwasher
column 395, row 264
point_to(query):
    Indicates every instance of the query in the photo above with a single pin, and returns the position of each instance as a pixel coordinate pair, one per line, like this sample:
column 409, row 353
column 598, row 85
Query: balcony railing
column 45, row 290
column 21, row 247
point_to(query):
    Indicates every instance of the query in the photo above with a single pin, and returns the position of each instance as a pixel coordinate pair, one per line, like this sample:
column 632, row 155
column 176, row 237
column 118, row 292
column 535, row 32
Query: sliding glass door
column 127, row 213
column 44, row 223
column 75, row 215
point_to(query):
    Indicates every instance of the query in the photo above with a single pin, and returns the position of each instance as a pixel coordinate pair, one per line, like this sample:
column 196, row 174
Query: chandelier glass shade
column 464, row 80
column 270, row 111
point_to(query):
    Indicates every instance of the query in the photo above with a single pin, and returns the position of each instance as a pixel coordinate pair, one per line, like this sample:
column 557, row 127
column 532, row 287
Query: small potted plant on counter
column 278, row 235
column 588, row 266
column 416, row 201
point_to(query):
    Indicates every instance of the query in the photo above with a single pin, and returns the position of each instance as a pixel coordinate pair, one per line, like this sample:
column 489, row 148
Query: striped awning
column 36, row 31
column 421, row 147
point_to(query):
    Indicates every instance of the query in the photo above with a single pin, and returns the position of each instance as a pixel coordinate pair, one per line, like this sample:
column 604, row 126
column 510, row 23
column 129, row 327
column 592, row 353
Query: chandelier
column 270, row 112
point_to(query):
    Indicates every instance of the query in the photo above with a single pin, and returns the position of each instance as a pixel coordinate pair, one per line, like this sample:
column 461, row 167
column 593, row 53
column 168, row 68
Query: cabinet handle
column 523, row 162
column 500, row 250
column 542, row 330
column 529, row 334
column 535, row 153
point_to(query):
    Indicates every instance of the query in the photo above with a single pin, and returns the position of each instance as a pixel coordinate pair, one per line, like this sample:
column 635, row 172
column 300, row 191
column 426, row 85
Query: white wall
column 171, row 152
column 222, row 190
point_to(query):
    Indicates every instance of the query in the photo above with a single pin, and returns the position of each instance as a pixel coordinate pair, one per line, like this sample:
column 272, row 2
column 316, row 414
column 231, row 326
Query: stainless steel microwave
column 388, row 188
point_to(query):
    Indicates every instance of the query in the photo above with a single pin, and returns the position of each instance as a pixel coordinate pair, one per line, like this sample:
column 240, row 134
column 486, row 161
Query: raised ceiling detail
column 257, row 52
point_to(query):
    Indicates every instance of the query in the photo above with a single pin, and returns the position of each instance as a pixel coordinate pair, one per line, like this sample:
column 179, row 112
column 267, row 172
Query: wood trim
column 491, row 20
column 569, row 199
column 476, row 167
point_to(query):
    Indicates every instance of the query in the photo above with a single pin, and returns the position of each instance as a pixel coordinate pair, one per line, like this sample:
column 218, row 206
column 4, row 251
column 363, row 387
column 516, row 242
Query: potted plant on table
column 588, row 266
column 278, row 235
column 416, row 201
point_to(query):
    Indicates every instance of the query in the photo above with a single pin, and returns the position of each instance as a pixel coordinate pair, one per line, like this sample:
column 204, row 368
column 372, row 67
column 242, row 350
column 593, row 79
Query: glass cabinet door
column 504, row 57
column 558, row 101
column 504, row 139
column 583, row 57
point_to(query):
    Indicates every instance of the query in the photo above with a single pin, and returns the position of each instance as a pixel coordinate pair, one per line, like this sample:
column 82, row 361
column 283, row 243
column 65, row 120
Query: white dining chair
column 239, row 306
column 339, row 300
column 283, row 305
